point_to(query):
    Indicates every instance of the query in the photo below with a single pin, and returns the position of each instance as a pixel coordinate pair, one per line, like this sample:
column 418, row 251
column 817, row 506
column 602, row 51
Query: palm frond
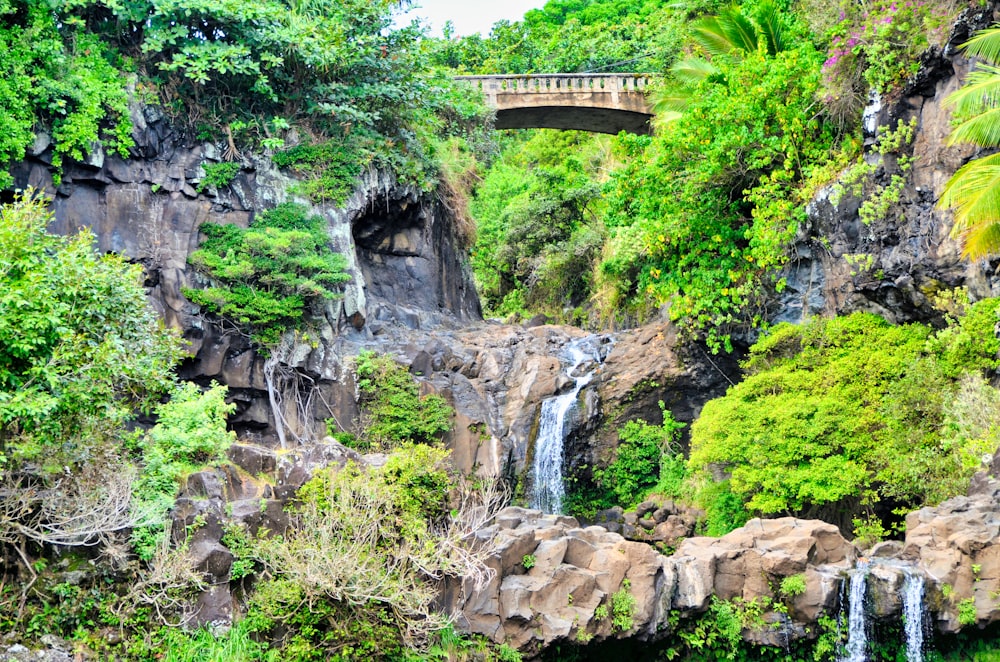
column 739, row 29
column 676, row 102
column 985, row 45
column 981, row 241
column 982, row 129
column 771, row 28
column 974, row 192
column 693, row 70
column 709, row 34
column 980, row 91
column 663, row 121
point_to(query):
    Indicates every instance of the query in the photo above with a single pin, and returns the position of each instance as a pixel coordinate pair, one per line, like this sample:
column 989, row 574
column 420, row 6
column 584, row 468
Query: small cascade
column 857, row 630
column 548, row 491
column 914, row 616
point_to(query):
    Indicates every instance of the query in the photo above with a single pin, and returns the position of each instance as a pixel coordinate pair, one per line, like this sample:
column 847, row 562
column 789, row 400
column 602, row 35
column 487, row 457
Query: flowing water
column 548, row 491
column 857, row 631
column 914, row 616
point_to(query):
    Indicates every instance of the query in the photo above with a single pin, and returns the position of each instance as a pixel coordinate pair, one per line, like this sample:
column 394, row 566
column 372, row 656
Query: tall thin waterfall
column 857, row 631
column 548, row 492
column 913, row 616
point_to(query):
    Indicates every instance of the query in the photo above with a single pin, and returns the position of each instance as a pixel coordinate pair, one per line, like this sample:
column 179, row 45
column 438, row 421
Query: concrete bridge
column 603, row 103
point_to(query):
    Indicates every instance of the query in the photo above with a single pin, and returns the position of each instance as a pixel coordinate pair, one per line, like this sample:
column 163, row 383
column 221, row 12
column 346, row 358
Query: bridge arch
column 602, row 103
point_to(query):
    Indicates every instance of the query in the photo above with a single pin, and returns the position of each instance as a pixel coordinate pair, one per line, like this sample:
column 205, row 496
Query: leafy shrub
column 80, row 350
column 81, row 354
column 793, row 586
column 363, row 550
column 190, row 432
column 622, row 608
column 394, row 410
column 647, row 458
column 836, row 413
column 537, row 240
column 701, row 215
column 967, row 612
column 331, row 168
column 271, row 275
column 218, row 175
column 59, row 78
column 880, row 43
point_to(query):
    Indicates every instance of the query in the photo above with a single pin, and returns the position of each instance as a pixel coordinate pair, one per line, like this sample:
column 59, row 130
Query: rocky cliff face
column 895, row 265
column 567, row 591
column 410, row 295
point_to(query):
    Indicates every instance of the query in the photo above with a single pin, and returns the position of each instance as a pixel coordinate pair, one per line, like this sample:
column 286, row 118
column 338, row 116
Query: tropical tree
column 732, row 33
column 81, row 354
column 974, row 190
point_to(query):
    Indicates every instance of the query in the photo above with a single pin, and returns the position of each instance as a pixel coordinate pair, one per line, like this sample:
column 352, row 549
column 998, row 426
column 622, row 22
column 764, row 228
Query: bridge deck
column 606, row 103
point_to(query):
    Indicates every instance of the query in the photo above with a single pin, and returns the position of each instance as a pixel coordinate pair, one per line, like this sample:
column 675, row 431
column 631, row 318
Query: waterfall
column 913, row 616
column 548, row 492
column 857, row 633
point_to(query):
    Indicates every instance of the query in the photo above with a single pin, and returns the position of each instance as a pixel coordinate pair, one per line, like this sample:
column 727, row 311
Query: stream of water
column 548, row 490
column 913, row 616
column 857, row 631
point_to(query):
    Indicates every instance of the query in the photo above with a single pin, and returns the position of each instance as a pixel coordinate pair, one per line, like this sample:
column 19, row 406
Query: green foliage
column 622, row 608
column 647, row 459
column 571, row 35
column 190, row 432
column 331, row 167
column 972, row 190
column 238, row 541
column 218, row 175
column 340, row 70
column 271, row 276
column 80, row 350
column 878, row 45
column 718, row 633
column 858, row 179
column 361, row 553
column 394, row 410
column 58, row 78
column 793, row 586
column 700, row 217
column 236, row 645
column 537, row 237
column 528, row 562
column 868, row 531
column 724, row 509
column 839, row 413
column 967, row 612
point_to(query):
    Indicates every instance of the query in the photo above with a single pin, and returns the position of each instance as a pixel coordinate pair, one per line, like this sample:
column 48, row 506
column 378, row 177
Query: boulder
column 556, row 580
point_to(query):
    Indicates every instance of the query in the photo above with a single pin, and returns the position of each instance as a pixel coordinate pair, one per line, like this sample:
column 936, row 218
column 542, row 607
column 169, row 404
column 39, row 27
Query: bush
column 218, row 175
column 364, row 552
column 837, row 415
column 190, row 432
column 394, row 410
column 272, row 275
column 81, row 354
column 647, row 458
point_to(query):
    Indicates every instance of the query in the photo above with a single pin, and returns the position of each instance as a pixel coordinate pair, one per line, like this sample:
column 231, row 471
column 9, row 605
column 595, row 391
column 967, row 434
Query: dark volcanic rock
column 896, row 265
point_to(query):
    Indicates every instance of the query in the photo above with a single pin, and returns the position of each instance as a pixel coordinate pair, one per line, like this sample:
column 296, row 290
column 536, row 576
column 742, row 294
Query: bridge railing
column 492, row 86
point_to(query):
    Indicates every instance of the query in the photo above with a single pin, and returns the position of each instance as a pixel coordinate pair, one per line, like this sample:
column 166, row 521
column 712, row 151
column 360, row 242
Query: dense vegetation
column 245, row 76
column 82, row 357
column 851, row 419
column 271, row 277
column 759, row 107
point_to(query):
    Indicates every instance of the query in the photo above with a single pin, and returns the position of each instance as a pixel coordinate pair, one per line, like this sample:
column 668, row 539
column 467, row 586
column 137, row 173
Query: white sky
column 469, row 15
